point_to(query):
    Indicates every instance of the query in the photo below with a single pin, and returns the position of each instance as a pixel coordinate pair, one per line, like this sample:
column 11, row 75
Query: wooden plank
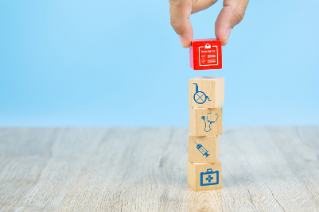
column 300, row 147
column 145, row 169
column 69, row 156
column 23, row 155
column 257, row 174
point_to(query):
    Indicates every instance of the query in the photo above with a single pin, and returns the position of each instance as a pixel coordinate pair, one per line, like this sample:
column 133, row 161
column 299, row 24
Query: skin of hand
column 180, row 10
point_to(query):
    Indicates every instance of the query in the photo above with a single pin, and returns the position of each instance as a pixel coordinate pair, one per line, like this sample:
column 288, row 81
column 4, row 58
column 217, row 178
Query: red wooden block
column 205, row 54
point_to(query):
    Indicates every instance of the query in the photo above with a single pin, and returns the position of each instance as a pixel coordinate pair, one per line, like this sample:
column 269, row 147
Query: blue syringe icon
column 202, row 149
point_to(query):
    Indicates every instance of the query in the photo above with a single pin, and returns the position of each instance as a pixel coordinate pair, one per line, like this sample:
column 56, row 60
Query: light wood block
column 206, row 92
column 204, row 176
column 203, row 149
column 205, row 121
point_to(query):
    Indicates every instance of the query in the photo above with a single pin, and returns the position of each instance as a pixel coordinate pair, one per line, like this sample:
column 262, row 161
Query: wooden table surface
column 144, row 169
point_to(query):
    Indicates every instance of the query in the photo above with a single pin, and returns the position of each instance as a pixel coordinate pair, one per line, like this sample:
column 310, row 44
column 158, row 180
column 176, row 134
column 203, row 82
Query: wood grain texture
column 145, row 169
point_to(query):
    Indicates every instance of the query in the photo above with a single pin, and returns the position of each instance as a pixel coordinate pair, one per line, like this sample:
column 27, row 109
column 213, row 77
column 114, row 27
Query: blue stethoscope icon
column 200, row 97
column 209, row 121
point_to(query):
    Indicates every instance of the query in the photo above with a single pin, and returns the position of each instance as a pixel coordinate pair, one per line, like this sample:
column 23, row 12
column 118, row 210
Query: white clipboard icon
column 208, row 55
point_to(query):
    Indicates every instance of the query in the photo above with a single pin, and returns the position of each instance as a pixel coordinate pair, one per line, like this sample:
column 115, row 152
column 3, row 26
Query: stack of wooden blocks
column 206, row 96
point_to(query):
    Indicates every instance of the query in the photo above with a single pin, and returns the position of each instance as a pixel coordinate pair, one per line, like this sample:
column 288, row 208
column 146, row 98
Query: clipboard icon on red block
column 205, row 54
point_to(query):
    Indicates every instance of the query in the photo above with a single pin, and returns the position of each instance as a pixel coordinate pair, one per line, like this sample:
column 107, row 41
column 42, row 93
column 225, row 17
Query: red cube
column 205, row 54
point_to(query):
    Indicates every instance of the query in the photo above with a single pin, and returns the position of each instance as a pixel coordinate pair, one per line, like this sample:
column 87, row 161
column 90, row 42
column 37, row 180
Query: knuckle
column 239, row 13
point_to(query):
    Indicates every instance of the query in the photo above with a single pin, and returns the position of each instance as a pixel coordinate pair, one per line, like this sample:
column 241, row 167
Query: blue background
column 119, row 63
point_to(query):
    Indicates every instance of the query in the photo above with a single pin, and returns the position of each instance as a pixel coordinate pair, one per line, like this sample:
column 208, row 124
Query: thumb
column 231, row 14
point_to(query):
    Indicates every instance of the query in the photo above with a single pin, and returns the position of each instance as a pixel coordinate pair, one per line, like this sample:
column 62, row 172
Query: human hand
column 180, row 10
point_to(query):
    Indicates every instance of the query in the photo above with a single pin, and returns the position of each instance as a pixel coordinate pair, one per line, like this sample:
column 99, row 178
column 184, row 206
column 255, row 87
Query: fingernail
column 227, row 35
column 181, row 40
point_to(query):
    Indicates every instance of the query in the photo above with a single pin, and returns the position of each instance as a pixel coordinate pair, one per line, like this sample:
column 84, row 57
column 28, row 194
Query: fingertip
column 221, row 36
column 185, row 42
column 222, row 30
column 231, row 14
column 224, row 37
column 186, row 45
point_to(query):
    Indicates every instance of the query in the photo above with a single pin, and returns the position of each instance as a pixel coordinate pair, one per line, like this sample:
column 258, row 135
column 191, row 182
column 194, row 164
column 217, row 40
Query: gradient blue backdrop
column 119, row 63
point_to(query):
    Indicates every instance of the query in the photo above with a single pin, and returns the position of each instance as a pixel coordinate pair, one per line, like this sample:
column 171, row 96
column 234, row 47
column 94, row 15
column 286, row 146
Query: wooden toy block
column 205, row 121
column 204, row 176
column 206, row 92
column 203, row 149
column 205, row 54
